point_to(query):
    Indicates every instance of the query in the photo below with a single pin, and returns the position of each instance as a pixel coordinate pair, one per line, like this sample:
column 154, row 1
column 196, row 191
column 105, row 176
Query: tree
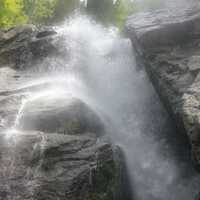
column 11, row 13
column 39, row 10
column 15, row 12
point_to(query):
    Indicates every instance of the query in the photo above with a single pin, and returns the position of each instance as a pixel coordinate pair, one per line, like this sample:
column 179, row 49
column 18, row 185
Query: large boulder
column 39, row 166
column 67, row 115
column 169, row 46
column 70, row 160
column 162, row 27
column 52, row 145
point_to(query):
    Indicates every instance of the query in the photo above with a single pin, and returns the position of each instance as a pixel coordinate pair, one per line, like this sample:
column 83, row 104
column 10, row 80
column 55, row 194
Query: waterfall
column 101, row 71
column 85, row 2
column 138, row 122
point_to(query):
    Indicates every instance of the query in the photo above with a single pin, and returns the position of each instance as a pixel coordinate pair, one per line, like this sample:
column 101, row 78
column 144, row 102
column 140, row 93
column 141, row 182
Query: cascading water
column 102, row 72
column 140, row 125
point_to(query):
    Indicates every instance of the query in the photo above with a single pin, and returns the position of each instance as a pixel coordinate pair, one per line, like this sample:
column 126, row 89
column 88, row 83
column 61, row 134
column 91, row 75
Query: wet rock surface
column 169, row 44
column 60, row 114
column 21, row 46
column 37, row 165
column 50, row 147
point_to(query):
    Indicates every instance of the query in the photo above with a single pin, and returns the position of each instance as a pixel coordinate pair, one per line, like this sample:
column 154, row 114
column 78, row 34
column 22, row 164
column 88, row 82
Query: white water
column 140, row 125
column 101, row 71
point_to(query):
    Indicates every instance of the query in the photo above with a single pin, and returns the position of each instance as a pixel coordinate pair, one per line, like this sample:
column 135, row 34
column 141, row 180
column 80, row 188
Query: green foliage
column 123, row 8
column 39, row 10
column 11, row 13
column 15, row 12
column 110, row 13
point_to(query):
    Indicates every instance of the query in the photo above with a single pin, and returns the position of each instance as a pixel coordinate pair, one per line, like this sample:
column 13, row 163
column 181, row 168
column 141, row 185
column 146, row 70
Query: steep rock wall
column 167, row 43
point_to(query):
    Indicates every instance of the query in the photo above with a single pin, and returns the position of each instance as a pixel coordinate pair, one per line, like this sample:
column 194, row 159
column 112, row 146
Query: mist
column 122, row 94
column 96, row 65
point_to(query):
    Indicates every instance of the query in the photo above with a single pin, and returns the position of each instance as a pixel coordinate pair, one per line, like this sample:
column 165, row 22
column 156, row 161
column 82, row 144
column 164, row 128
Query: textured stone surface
column 51, row 144
column 68, row 161
column 36, row 165
column 163, row 27
column 169, row 44
column 21, row 46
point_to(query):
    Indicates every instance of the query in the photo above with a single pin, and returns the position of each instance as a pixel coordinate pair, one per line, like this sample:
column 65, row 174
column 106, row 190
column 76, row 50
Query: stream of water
column 157, row 158
column 101, row 71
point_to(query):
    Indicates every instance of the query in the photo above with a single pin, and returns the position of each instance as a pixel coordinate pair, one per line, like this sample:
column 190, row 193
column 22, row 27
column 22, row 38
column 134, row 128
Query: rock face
column 36, row 165
column 21, row 46
column 51, row 146
column 168, row 44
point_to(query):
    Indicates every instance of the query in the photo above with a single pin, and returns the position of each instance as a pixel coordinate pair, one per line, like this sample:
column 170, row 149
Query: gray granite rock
column 194, row 63
column 23, row 45
column 50, row 147
column 58, row 151
column 40, row 166
column 169, row 44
